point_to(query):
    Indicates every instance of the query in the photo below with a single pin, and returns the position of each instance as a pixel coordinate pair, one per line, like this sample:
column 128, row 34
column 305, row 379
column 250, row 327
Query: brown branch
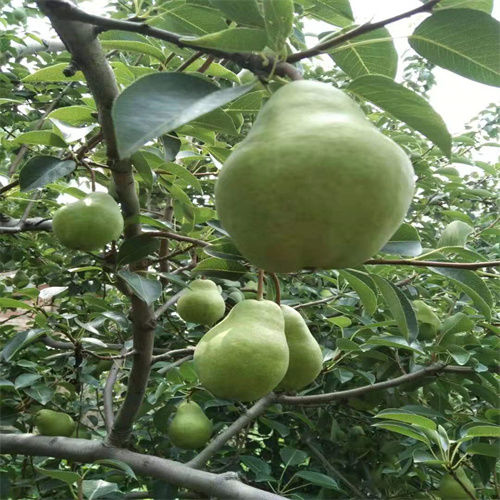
column 361, row 30
column 107, row 358
column 177, row 237
column 9, row 186
column 170, row 354
column 236, row 427
column 276, row 282
column 189, row 61
column 168, row 471
column 432, row 263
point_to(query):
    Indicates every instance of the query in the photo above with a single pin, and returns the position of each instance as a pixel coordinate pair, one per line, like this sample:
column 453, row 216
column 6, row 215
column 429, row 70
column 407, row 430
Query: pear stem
column 260, row 285
column 277, row 286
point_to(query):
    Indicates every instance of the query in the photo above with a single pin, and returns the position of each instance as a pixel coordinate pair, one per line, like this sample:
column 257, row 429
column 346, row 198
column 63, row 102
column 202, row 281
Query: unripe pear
column 451, row 489
column 190, row 427
column 314, row 184
column 306, row 358
column 54, row 423
column 201, row 303
column 245, row 356
column 88, row 224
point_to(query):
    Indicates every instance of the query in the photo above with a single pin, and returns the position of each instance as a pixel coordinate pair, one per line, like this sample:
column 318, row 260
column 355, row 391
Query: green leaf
column 486, row 449
column 484, row 5
column 347, row 345
column 223, row 249
column 405, row 430
column 26, row 379
column 472, row 285
column 408, row 417
column 399, row 306
column 147, row 290
column 14, row 304
column 405, row 241
column 42, row 170
column 365, row 293
column 220, row 268
column 455, row 234
column 142, row 166
column 405, row 105
column 93, row 489
column 336, row 12
column 457, row 323
column 391, row 341
column 484, row 431
column 40, row 393
column 62, row 475
column 244, row 12
column 232, row 40
column 134, row 46
column 292, row 456
column 369, row 54
column 319, row 479
column 256, row 465
column 137, row 248
column 159, row 103
column 117, row 464
column 278, row 17
column 53, row 74
column 249, row 103
column 40, row 138
column 283, row 430
column 182, row 173
column 74, row 115
column 21, row 340
column 459, row 354
column 464, row 41
column 217, row 121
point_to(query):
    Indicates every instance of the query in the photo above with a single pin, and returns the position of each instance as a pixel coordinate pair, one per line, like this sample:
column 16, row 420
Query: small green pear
column 54, row 423
column 190, row 427
column 245, row 356
column 451, row 489
column 314, row 184
column 20, row 279
column 306, row 358
column 201, row 303
column 88, row 224
column 429, row 323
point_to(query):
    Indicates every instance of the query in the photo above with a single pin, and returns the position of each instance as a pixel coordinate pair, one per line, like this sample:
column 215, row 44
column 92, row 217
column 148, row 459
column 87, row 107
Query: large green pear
column 306, row 358
column 314, row 184
column 54, row 423
column 190, row 427
column 201, row 303
column 245, row 356
column 451, row 489
column 88, row 224
column 429, row 323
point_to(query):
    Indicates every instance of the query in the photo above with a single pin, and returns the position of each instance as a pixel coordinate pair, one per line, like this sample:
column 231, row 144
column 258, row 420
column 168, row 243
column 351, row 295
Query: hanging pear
column 54, row 423
column 306, row 358
column 88, row 224
column 314, row 184
column 201, row 303
column 245, row 356
column 190, row 427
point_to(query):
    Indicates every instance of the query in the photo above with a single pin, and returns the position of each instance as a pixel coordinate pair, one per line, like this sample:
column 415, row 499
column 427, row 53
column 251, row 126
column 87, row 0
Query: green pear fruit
column 20, row 279
column 88, row 224
column 19, row 14
column 314, row 184
column 450, row 488
column 54, row 423
column 306, row 358
column 201, row 303
column 429, row 323
column 245, row 356
column 190, row 427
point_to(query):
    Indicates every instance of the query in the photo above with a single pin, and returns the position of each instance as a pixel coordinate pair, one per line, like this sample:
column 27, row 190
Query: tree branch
column 108, row 394
column 219, row 441
column 83, row 450
column 361, row 30
column 170, row 354
column 8, row 225
column 177, row 237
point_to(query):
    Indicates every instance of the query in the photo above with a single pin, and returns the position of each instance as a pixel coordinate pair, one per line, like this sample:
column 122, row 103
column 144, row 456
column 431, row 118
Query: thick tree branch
column 361, row 30
column 8, row 225
column 83, row 450
column 219, row 441
column 433, row 369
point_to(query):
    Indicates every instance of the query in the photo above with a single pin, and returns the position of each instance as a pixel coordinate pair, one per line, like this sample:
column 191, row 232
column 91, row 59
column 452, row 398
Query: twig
column 189, row 61
column 206, row 64
column 219, row 441
column 315, row 302
column 170, row 354
column 361, row 30
column 170, row 302
column 9, row 186
column 119, row 356
column 260, row 285
column 177, row 237
column 108, row 394
column 433, row 263
column 177, row 363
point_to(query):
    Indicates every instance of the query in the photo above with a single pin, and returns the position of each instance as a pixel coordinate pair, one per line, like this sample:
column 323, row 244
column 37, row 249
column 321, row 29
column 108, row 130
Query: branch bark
column 219, row 441
column 108, row 393
column 82, row 450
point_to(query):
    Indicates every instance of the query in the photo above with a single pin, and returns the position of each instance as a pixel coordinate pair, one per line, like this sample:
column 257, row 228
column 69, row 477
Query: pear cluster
column 314, row 184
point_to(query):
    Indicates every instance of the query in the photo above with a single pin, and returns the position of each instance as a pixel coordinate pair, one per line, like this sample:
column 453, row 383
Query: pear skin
column 245, row 356
column 54, row 423
column 306, row 358
column 314, row 184
column 201, row 303
column 88, row 224
column 190, row 428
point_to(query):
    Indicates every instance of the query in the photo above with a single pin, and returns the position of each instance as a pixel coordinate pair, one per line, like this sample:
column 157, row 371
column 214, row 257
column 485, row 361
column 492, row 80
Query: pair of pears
column 54, row 423
column 88, row 224
column 257, row 348
column 314, row 184
column 201, row 303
